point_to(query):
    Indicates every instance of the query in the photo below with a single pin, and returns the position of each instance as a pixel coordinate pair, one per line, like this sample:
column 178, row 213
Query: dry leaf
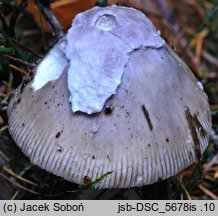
column 66, row 10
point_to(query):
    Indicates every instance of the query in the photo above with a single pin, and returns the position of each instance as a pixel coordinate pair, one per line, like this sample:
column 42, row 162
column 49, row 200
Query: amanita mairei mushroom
column 111, row 96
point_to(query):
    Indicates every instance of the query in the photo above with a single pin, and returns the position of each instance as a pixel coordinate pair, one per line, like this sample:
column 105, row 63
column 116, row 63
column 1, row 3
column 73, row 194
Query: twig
column 185, row 191
column 17, row 60
column 207, row 166
column 10, row 82
column 4, row 157
column 15, row 195
column 14, row 16
column 51, row 19
column 182, row 187
column 18, row 185
column 208, row 192
column 3, row 128
column 198, row 49
column 208, row 57
column 211, row 170
column 27, row 48
column 23, row 72
column 27, row 189
column 210, row 176
column 62, row 3
column 18, row 177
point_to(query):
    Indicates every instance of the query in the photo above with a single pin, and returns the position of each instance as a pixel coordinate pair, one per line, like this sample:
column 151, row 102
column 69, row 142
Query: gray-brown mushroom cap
column 157, row 124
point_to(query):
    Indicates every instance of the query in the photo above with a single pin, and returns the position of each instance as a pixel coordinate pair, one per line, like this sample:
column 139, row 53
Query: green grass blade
column 25, row 170
column 5, row 50
column 97, row 181
column 12, row 44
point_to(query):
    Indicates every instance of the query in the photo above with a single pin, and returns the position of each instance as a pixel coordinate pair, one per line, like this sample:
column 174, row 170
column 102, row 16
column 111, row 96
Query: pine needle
column 23, row 72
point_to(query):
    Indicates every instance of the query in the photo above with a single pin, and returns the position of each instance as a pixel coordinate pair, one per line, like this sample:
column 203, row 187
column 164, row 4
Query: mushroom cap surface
column 157, row 123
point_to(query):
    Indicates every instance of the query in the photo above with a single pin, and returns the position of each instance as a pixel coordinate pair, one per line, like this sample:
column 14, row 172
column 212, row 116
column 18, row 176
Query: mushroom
column 111, row 95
